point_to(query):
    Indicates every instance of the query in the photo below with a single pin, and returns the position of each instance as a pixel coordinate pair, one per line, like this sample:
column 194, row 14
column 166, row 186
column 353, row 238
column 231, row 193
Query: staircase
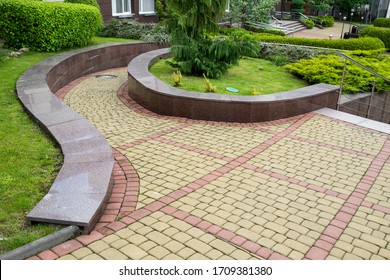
column 293, row 26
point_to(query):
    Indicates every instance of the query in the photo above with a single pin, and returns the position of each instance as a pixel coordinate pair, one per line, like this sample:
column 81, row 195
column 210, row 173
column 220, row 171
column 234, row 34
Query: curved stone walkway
column 308, row 187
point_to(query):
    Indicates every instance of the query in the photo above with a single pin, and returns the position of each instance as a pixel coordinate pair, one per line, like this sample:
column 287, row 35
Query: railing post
column 369, row 102
column 341, row 84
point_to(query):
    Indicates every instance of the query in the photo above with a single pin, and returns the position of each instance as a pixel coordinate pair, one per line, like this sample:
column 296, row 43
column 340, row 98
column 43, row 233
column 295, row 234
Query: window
column 146, row 6
column 121, row 7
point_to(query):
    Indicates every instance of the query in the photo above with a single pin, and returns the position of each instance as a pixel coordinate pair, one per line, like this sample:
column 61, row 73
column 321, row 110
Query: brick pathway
column 308, row 187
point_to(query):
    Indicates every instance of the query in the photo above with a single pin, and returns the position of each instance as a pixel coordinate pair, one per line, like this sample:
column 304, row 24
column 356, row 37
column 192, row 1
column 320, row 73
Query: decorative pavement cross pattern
column 308, row 187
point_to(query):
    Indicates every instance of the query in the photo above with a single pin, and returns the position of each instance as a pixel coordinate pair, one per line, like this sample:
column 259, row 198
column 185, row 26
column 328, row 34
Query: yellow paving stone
column 133, row 252
column 296, row 246
column 119, row 244
column 110, row 238
column 295, row 255
column 148, row 245
column 159, row 252
column 158, row 237
column 112, row 254
column 137, row 239
column 98, row 246
column 385, row 253
column 198, row 246
column 222, row 246
column 366, row 246
column 172, row 257
column 185, row 253
column 266, row 242
column 81, row 253
column 240, row 255
column 198, row 256
column 361, row 253
column 67, row 258
column 337, row 253
column 93, row 257
column 214, row 254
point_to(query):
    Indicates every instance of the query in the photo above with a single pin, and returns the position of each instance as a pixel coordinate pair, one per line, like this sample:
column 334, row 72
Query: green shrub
column 377, row 32
column 251, row 27
column 327, row 21
column 309, row 24
column 382, row 22
column 329, row 68
column 47, row 26
column 86, row 2
column 351, row 44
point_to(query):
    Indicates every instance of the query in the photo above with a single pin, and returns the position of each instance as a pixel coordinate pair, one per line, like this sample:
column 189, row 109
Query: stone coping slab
column 79, row 194
column 161, row 98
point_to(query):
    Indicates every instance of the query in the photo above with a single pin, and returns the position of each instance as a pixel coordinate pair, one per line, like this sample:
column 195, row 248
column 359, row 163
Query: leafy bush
column 86, row 2
column 377, row 32
column 382, row 22
column 209, row 86
column 46, row 26
column 177, row 78
column 280, row 59
column 327, row 21
column 309, row 24
column 329, row 68
column 297, row 6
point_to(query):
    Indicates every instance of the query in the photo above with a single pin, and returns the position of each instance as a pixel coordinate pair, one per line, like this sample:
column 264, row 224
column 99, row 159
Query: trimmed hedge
column 382, row 22
column 351, row 44
column 47, row 26
column 377, row 32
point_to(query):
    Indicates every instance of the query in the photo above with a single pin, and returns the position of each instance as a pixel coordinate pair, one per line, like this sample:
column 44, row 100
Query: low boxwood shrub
column 351, row 44
column 377, row 32
column 382, row 22
column 47, row 26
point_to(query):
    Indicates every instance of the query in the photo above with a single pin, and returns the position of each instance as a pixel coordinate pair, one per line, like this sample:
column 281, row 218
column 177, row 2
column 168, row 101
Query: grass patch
column 251, row 76
column 29, row 159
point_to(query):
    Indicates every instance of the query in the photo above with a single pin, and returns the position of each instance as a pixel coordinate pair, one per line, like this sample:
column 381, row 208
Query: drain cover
column 106, row 76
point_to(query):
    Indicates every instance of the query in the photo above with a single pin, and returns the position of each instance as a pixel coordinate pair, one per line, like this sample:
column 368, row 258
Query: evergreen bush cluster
column 329, row 68
column 382, row 22
column 294, row 53
column 377, row 32
column 47, row 26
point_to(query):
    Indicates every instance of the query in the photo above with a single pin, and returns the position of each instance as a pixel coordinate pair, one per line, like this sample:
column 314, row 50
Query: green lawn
column 29, row 160
column 251, row 75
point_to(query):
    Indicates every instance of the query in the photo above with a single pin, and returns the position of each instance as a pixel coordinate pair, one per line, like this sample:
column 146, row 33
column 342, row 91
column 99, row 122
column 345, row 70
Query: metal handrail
column 278, row 21
column 364, row 67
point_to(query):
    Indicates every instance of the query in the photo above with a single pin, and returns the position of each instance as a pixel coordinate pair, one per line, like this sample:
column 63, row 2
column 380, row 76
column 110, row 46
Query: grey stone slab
column 68, row 209
column 360, row 121
column 73, row 130
column 96, row 144
column 54, row 115
column 83, row 178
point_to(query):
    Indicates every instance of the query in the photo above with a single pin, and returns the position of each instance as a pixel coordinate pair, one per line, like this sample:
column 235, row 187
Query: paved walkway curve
column 308, row 187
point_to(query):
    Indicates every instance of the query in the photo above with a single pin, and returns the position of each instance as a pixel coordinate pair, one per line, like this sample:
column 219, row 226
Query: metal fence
column 373, row 103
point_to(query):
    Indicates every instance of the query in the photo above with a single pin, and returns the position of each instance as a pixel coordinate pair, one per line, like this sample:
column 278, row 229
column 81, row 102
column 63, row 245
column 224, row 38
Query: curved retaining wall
column 157, row 96
column 79, row 193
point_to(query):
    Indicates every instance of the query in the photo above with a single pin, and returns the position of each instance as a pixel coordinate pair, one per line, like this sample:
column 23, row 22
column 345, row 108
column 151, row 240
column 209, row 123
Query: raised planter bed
column 157, row 96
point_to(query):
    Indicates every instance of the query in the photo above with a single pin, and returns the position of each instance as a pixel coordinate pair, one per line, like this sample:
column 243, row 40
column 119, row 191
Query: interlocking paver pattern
column 308, row 187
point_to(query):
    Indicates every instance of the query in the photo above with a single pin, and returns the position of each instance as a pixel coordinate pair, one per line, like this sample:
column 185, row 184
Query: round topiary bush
column 47, row 26
column 382, row 22
column 377, row 32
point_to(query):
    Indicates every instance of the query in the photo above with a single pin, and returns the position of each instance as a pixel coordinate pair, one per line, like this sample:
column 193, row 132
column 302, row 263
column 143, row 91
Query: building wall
column 106, row 9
